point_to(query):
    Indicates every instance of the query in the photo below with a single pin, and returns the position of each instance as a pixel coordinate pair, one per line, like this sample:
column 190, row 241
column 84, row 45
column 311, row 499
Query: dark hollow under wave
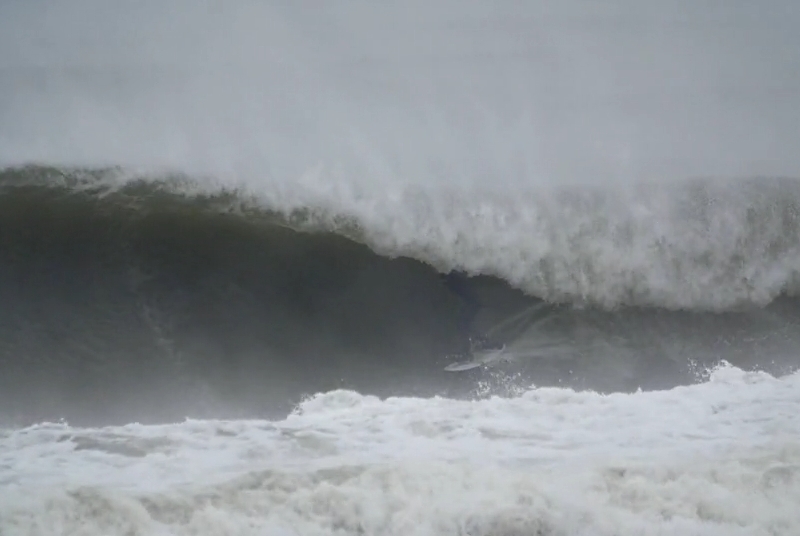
column 142, row 304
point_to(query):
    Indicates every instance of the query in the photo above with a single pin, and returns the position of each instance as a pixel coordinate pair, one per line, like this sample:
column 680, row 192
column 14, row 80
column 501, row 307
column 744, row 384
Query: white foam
column 717, row 458
column 713, row 245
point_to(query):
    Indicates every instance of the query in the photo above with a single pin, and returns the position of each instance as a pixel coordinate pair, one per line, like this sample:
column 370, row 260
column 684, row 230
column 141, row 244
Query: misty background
column 506, row 92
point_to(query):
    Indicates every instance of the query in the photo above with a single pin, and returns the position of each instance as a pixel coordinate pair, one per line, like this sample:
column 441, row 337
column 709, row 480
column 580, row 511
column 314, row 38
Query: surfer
column 457, row 282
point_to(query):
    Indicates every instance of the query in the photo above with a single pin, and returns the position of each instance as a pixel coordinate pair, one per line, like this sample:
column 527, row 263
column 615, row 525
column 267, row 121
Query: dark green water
column 146, row 304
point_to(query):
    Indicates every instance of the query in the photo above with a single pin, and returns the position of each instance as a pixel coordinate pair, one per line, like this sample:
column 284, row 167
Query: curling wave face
column 168, row 295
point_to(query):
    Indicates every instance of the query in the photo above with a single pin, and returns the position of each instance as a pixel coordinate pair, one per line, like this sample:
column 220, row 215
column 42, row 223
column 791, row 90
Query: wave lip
column 696, row 245
column 709, row 244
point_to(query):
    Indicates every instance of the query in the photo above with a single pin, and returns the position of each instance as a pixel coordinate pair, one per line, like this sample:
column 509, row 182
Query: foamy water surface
column 722, row 457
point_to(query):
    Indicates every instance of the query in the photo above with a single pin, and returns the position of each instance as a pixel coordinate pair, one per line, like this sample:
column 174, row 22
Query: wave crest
column 706, row 244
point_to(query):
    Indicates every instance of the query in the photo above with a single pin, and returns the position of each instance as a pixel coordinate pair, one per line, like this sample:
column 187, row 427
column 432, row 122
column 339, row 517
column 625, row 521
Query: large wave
column 116, row 286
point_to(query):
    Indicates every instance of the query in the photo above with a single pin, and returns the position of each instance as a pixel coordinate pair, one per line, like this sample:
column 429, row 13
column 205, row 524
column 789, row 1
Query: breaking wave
column 202, row 298
column 697, row 245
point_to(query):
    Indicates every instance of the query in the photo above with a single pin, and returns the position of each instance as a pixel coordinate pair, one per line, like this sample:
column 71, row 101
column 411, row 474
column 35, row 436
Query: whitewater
column 222, row 234
column 717, row 458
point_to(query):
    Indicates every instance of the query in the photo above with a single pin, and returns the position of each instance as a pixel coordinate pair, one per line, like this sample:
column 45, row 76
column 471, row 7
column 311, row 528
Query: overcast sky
column 551, row 89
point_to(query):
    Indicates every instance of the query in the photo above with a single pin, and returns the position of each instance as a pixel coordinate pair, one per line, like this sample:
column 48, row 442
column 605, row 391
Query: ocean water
column 717, row 458
column 222, row 231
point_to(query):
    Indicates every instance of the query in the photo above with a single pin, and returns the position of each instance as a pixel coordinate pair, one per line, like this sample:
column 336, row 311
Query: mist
column 503, row 93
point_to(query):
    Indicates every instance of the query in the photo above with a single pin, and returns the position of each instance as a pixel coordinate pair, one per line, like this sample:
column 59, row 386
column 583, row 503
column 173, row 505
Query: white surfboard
column 482, row 359
column 462, row 365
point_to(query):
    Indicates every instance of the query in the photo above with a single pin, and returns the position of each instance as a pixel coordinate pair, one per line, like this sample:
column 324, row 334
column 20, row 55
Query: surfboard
column 462, row 365
column 478, row 360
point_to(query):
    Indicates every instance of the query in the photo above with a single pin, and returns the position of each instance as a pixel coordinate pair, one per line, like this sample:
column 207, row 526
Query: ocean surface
column 223, row 230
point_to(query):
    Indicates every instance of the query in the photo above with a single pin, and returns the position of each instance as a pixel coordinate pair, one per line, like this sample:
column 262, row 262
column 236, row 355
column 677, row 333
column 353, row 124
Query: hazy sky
column 469, row 89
